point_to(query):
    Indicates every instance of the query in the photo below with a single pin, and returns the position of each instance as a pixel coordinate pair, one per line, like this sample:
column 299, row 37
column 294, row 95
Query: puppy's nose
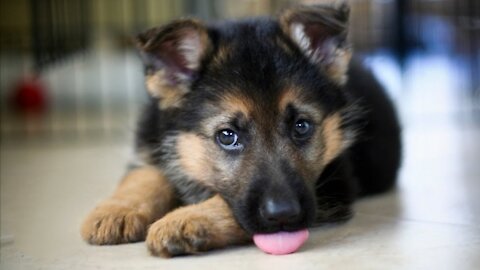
column 279, row 211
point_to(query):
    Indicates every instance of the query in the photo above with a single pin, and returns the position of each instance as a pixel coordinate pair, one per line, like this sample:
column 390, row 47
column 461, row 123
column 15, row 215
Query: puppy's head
column 259, row 108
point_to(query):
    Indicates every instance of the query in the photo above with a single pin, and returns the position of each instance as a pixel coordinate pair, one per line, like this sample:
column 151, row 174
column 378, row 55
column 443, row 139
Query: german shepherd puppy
column 253, row 126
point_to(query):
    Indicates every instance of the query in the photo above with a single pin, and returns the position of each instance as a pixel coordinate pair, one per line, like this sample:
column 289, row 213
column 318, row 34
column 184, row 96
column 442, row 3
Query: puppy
column 253, row 126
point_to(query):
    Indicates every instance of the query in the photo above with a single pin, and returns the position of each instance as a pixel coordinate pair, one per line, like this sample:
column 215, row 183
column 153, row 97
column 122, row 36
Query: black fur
column 261, row 69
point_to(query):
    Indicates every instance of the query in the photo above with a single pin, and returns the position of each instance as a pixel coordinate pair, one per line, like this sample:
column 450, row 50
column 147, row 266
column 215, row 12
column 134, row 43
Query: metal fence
column 81, row 54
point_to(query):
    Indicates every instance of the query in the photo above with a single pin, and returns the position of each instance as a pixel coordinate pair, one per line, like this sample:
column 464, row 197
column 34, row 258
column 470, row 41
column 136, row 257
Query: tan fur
column 143, row 196
column 222, row 54
column 326, row 144
column 237, row 103
column 225, row 111
column 290, row 96
column 337, row 70
column 195, row 228
column 169, row 95
column 202, row 160
column 333, row 138
column 193, row 157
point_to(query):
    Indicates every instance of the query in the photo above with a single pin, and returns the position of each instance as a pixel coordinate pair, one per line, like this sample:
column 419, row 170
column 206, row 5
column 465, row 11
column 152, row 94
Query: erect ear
column 321, row 33
column 172, row 55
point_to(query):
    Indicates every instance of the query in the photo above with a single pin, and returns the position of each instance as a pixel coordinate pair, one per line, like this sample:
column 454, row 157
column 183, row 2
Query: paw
column 114, row 224
column 170, row 237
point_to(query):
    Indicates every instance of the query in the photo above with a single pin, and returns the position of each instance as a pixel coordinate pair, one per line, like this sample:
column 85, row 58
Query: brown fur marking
column 289, row 96
column 193, row 157
column 293, row 96
column 143, row 196
column 229, row 107
column 168, row 95
column 222, row 54
column 195, row 228
column 337, row 70
column 237, row 103
column 333, row 138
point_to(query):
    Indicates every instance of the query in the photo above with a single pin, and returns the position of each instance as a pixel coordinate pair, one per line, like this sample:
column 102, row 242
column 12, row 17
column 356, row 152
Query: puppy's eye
column 228, row 139
column 302, row 129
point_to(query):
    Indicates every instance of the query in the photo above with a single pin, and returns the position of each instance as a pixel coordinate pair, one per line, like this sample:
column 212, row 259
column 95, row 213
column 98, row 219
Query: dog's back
column 376, row 155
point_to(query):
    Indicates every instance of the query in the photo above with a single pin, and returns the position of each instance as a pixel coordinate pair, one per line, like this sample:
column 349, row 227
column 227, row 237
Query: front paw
column 114, row 224
column 174, row 235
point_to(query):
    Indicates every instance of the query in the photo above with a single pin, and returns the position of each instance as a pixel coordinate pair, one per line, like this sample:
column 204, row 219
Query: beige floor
column 430, row 222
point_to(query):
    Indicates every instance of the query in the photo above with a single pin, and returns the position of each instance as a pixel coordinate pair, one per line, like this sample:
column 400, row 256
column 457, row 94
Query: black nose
column 280, row 211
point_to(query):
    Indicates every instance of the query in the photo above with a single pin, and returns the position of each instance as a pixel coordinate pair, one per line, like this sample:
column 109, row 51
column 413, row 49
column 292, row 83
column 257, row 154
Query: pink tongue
column 281, row 243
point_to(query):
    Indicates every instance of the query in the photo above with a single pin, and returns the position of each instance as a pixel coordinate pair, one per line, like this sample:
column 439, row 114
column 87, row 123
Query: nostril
column 280, row 211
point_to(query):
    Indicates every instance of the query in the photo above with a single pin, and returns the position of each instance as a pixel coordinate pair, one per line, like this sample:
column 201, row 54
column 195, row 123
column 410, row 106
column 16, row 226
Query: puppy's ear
column 321, row 33
column 172, row 55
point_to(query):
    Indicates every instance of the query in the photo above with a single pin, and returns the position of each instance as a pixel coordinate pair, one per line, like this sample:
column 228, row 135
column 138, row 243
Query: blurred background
column 71, row 87
column 69, row 71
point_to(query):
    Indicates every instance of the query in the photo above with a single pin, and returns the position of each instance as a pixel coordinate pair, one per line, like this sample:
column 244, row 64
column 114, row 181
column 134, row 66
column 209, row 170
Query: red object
column 30, row 95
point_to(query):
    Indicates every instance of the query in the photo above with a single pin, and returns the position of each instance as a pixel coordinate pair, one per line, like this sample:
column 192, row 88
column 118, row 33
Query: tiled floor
column 431, row 221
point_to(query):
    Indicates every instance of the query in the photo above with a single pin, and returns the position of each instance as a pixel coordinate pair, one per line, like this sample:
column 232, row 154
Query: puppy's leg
column 195, row 228
column 143, row 196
